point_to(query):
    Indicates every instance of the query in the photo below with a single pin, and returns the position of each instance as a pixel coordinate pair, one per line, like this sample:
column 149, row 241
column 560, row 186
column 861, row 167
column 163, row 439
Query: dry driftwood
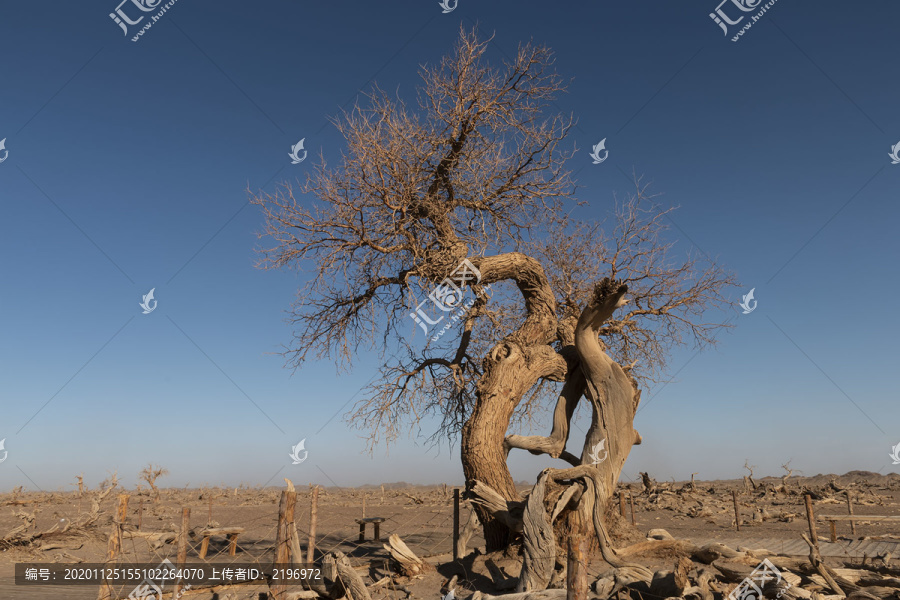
column 572, row 493
column 816, row 560
column 469, row 530
column 413, row 498
column 409, row 563
column 660, row 546
column 294, row 541
column 509, row 512
column 539, row 547
column 347, row 580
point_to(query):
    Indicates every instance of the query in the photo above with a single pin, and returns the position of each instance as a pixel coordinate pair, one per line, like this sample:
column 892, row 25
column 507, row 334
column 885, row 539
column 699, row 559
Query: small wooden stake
column 631, row 501
column 850, row 512
column 382, row 493
column 313, row 514
column 455, row 524
column 737, row 513
column 576, row 571
column 811, row 519
column 283, row 541
column 833, row 531
column 114, row 547
column 140, row 513
column 622, row 504
column 182, row 545
column 364, row 506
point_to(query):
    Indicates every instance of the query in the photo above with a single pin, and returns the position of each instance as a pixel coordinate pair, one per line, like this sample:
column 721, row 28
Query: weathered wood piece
column 576, row 566
column 347, row 582
column 313, row 516
column 409, row 563
column 181, row 556
column 278, row 589
column 539, row 545
column 472, row 525
column 455, row 524
column 114, row 545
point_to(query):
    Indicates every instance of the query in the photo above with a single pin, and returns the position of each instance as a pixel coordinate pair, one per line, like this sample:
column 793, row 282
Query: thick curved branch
column 555, row 443
column 540, row 303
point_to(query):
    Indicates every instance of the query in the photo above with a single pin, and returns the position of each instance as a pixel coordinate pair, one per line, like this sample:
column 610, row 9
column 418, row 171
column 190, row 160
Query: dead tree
column 150, row 474
column 788, row 473
column 750, row 476
column 649, row 483
column 476, row 175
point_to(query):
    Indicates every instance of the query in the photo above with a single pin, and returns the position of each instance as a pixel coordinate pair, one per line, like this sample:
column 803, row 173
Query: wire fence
column 239, row 529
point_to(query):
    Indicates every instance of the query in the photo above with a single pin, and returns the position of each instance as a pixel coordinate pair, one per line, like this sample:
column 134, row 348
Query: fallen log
column 815, row 560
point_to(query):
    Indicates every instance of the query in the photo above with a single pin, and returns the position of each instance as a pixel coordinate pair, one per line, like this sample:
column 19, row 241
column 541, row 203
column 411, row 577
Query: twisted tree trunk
column 511, row 369
column 592, row 479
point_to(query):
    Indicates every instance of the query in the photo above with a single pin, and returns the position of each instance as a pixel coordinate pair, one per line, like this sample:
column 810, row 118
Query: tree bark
column 511, row 370
column 484, row 460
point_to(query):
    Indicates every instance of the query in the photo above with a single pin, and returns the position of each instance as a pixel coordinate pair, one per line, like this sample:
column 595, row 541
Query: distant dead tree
column 750, row 476
column 788, row 473
column 476, row 172
column 150, row 474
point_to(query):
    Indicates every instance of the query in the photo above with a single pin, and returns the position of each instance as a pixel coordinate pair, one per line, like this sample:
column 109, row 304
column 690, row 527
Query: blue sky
column 128, row 167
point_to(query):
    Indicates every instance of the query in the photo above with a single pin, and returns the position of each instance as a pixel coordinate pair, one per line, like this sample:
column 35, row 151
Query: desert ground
column 73, row 528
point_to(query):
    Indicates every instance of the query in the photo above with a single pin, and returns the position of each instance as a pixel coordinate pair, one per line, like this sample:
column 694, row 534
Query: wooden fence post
column 737, row 513
column 114, row 546
column 313, row 513
column 622, row 504
column 850, row 512
column 576, row 569
column 283, row 541
column 631, row 501
column 455, row 524
column 181, row 557
column 140, row 513
column 811, row 519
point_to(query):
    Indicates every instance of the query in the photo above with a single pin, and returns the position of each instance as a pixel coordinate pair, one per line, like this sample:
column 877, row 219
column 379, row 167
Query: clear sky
column 128, row 165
